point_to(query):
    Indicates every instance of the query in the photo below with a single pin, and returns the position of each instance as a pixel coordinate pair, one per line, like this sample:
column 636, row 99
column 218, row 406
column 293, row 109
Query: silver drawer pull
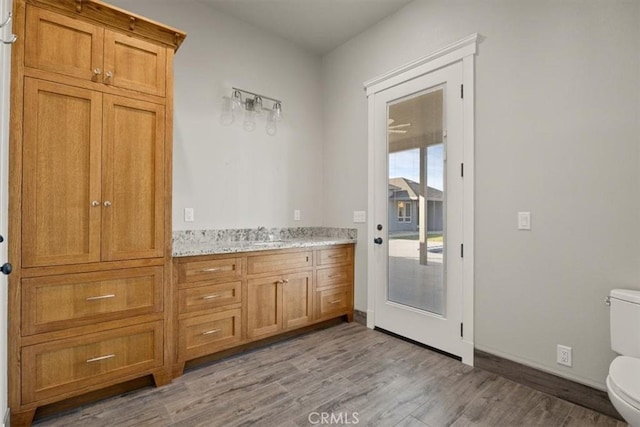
column 209, row 270
column 97, row 359
column 101, row 297
column 335, row 302
column 212, row 296
column 213, row 331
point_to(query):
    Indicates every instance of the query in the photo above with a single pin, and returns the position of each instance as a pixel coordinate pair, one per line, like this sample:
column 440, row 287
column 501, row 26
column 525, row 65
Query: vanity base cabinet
column 273, row 292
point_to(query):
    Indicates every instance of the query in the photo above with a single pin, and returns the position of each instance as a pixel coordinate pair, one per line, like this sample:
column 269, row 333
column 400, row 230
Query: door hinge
column 462, row 170
column 461, row 330
column 461, row 250
column 462, row 91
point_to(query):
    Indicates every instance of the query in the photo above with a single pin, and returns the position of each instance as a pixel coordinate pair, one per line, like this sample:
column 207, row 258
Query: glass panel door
column 417, row 202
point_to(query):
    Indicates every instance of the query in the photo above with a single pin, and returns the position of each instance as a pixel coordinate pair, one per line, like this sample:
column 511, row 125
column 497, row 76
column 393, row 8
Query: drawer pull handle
column 335, row 256
column 101, row 297
column 334, row 276
column 213, row 331
column 209, row 270
column 97, row 359
column 335, row 302
column 212, row 296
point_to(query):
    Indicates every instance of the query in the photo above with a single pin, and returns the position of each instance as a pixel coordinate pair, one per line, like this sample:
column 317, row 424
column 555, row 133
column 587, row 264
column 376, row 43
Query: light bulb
column 226, row 112
column 236, row 102
column 257, row 105
column 271, row 127
column 277, row 111
column 249, row 123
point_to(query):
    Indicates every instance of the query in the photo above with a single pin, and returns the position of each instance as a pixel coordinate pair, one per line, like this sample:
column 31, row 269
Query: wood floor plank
column 341, row 371
column 410, row 422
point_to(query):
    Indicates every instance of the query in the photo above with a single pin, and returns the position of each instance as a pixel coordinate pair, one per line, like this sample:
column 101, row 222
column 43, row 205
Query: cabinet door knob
column 97, row 71
column 108, row 75
column 107, row 203
column 95, row 203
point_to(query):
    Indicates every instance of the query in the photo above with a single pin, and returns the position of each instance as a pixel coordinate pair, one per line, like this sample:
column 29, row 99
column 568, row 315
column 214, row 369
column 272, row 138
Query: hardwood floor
column 348, row 371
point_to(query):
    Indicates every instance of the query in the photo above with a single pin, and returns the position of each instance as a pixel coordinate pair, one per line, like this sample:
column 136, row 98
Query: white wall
column 232, row 178
column 557, row 108
column 5, row 61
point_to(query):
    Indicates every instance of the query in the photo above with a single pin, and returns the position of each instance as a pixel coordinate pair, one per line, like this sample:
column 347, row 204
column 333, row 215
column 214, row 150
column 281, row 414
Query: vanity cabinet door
column 264, row 306
column 297, row 300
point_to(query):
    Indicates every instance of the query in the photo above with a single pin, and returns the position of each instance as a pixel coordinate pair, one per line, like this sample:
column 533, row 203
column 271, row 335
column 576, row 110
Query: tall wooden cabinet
column 90, row 201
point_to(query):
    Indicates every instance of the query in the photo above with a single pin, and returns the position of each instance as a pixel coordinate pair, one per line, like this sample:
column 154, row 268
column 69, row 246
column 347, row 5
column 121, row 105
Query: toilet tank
column 625, row 322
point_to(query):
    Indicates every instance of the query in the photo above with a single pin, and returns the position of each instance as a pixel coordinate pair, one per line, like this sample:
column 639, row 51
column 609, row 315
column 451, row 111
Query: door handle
column 6, row 268
column 1, row 238
column 377, row 240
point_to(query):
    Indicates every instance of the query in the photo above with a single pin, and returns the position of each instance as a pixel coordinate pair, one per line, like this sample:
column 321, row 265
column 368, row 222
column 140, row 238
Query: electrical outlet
column 564, row 356
column 296, row 215
column 188, row 214
column 359, row 216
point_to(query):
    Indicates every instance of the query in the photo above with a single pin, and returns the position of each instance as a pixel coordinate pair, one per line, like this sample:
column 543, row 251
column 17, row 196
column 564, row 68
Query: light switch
column 359, row 216
column 296, row 215
column 524, row 220
column 188, row 214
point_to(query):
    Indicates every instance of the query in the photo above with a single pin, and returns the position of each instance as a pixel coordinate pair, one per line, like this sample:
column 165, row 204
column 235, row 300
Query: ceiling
column 318, row 26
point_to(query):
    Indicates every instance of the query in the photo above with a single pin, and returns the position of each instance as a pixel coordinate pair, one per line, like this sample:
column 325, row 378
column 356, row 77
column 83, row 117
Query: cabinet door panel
column 134, row 64
column 133, row 179
column 264, row 306
column 297, row 305
column 62, row 45
column 61, row 174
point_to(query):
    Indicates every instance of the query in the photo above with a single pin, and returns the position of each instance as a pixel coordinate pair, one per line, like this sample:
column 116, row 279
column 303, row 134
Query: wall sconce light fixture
column 249, row 105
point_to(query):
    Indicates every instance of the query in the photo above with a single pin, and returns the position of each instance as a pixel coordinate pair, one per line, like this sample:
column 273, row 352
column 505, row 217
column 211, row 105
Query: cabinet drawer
column 59, row 302
column 333, row 301
column 277, row 263
column 91, row 361
column 334, row 255
column 197, row 271
column 205, row 334
column 330, row 277
column 210, row 296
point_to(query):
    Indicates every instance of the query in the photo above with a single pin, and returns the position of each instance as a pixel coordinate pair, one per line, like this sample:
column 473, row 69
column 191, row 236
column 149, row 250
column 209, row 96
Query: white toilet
column 623, row 381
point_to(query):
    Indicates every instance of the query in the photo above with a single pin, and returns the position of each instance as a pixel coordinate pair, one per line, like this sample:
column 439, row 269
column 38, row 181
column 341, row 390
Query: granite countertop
column 210, row 242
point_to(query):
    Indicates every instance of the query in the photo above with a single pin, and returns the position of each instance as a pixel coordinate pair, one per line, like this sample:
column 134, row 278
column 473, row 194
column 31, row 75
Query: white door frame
column 5, row 63
column 463, row 50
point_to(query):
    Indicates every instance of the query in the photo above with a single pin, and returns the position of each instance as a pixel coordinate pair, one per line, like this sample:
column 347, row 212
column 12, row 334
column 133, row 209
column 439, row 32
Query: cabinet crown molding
column 96, row 11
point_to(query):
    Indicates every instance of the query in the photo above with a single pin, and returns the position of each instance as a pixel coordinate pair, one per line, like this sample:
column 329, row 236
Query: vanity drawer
column 210, row 296
column 90, row 361
column 198, row 271
column 332, row 301
column 59, row 302
column 206, row 334
column 334, row 276
column 277, row 263
column 336, row 255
